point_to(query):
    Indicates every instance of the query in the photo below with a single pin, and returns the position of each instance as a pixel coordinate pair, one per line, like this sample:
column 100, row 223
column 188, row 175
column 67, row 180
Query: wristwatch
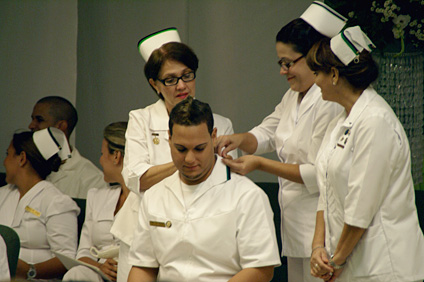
column 31, row 272
column 334, row 265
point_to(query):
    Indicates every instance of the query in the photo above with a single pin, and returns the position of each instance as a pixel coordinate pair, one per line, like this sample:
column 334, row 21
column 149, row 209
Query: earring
column 334, row 82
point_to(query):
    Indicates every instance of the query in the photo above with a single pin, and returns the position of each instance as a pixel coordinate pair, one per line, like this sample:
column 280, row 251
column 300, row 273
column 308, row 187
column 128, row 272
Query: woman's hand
column 227, row 143
column 336, row 274
column 109, row 267
column 243, row 165
column 319, row 265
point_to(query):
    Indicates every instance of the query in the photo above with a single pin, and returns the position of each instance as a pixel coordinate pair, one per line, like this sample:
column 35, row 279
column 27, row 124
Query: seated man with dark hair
column 77, row 174
column 203, row 223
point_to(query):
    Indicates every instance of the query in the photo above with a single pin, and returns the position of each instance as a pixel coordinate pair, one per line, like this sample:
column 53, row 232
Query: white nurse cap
column 349, row 43
column 153, row 41
column 50, row 141
column 324, row 19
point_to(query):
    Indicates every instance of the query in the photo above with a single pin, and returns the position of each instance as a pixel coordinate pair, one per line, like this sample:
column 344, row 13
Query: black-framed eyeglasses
column 287, row 65
column 171, row 81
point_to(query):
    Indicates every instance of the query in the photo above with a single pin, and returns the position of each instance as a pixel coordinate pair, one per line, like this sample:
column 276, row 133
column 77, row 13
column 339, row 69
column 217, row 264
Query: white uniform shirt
column 363, row 171
column 295, row 131
column 44, row 218
column 146, row 146
column 76, row 176
column 227, row 227
column 99, row 217
column 4, row 264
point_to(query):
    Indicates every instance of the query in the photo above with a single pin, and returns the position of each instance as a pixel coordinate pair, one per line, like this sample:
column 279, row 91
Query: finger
column 332, row 279
column 218, row 149
column 112, row 261
column 226, row 150
column 327, row 276
column 228, row 157
column 111, row 277
column 220, row 145
column 227, row 161
column 314, row 274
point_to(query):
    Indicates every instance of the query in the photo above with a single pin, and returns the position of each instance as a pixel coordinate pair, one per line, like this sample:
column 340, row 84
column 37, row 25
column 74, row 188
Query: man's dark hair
column 61, row 109
column 191, row 112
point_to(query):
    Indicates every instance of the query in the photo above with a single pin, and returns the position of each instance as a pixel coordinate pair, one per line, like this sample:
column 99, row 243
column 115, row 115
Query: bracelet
column 317, row 247
column 334, row 265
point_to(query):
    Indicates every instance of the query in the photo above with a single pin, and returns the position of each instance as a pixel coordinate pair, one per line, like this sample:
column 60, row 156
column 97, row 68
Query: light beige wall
column 234, row 40
column 38, row 40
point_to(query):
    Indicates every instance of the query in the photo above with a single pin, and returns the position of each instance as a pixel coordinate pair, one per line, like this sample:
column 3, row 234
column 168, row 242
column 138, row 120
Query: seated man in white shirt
column 203, row 223
column 78, row 174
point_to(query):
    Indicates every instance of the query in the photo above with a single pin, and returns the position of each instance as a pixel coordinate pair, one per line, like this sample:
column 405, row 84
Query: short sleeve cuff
column 132, row 179
column 307, row 172
column 262, row 141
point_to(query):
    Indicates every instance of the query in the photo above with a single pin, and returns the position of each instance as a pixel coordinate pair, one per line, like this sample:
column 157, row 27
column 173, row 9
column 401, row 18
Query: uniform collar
column 73, row 161
column 310, row 98
column 25, row 202
column 220, row 174
column 159, row 116
column 70, row 165
column 368, row 95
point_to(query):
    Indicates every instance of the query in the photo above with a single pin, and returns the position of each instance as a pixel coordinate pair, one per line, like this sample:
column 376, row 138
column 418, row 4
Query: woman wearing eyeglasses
column 171, row 71
column 294, row 130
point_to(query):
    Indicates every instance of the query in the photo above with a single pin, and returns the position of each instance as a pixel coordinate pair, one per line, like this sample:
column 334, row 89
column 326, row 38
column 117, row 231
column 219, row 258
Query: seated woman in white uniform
column 366, row 226
column 44, row 218
column 102, row 207
column 171, row 71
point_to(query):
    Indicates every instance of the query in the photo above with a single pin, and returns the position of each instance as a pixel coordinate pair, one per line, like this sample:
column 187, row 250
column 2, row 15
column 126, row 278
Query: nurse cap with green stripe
column 50, row 141
column 348, row 44
column 324, row 19
column 153, row 41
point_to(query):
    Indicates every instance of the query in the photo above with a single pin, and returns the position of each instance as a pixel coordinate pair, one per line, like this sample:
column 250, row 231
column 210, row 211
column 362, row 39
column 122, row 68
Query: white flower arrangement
column 400, row 22
column 386, row 21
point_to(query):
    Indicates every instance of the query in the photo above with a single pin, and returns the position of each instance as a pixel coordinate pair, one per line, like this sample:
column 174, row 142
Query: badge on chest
column 155, row 138
column 167, row 224
column 343, row 140
column 33, row 211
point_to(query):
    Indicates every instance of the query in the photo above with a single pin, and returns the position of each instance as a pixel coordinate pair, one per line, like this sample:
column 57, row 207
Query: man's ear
column 213, row 136
column 169, row 136
column 62, row 125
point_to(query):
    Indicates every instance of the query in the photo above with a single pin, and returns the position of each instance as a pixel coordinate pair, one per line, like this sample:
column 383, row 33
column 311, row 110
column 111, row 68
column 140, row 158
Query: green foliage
column 388, row 23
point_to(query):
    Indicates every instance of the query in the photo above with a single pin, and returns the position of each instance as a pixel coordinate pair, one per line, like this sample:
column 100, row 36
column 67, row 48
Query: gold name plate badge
column 167, row 224
column 31, row 210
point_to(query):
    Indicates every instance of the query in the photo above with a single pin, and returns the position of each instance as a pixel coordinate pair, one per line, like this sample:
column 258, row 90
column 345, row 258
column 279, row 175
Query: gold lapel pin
column 155, row 138
column 167, row 224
